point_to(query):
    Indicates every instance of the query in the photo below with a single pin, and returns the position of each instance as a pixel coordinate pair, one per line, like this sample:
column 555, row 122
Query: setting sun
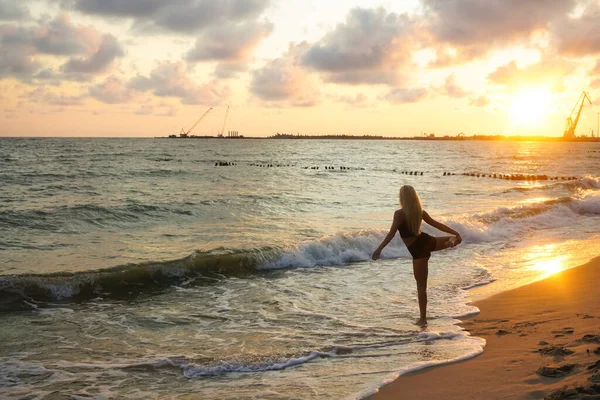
column 529, row 107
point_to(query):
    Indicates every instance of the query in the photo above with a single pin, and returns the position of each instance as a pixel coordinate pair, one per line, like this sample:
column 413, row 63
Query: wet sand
column 543, row 341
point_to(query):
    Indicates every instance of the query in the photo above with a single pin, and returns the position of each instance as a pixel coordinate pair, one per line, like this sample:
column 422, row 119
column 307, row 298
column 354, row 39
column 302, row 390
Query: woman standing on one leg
column 407, row 221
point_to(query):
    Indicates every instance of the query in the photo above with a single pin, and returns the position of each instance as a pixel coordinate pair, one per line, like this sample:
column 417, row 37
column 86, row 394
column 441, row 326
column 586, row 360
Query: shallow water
column 136, row 268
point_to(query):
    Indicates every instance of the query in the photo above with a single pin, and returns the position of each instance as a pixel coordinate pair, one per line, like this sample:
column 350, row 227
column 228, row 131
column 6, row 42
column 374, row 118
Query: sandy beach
column 543, row 341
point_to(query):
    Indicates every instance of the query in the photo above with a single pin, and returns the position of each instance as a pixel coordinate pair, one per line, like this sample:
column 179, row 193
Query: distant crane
column 224, row 122
column 571, row 124
column 185, row 134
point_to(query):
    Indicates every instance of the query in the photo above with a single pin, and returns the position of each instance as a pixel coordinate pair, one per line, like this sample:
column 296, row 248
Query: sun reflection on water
column 535, row 200
column 547, row 260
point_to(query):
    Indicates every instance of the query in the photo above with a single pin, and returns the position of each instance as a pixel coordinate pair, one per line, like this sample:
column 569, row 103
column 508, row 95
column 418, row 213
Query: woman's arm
column 389, row 237
column 440, row 226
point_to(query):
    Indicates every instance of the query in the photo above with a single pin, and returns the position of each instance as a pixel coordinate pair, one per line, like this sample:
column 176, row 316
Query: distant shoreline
column 337, row 137
column 425, row 138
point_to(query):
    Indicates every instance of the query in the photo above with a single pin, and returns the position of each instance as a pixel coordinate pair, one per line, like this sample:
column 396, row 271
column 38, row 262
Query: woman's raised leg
column 421, row 271
column 444, row 242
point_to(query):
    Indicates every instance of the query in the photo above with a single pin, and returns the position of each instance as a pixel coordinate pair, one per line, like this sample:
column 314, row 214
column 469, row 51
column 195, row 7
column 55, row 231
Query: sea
column 241, row 269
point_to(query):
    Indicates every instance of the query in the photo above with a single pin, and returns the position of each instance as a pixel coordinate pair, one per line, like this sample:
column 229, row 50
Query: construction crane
column 571, row 124
column 224, row 122
column 185, row 134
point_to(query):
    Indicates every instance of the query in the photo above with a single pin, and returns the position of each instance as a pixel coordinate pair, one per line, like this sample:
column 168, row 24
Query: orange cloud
column 551, row 72
column 87, row 51
column 172, row 79
column 474, row 28
column 283, row 80
column 370, row 47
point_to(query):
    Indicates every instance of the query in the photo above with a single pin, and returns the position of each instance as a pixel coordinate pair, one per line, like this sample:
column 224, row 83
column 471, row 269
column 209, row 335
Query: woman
column 407, row 220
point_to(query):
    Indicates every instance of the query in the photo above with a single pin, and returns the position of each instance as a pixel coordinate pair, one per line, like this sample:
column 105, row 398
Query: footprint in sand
column 591, row 338
column 556, row 372
column 563, row 332
column 579, row 392
column 595, row 366
column 555, row 351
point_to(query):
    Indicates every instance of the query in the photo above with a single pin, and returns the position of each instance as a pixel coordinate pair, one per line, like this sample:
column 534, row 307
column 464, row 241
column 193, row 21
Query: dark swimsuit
column 420, row 248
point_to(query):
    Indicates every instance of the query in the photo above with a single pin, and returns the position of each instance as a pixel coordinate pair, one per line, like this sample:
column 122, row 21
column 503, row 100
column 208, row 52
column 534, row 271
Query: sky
column 148, row 68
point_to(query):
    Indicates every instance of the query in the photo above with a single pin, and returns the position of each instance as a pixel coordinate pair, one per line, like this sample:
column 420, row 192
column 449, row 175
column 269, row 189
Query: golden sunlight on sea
column 547, row 259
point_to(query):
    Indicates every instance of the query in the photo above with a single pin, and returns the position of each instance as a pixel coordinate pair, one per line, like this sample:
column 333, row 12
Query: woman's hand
column 458, row 238
column 376, row 254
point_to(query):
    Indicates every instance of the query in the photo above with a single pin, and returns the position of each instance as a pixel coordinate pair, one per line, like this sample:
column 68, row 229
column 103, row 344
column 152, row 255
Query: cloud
column 405, row 95
column 116, row 8
column 480, row 101
column 368, row 48
column 370, row 77
column 16, row 60
column 360, row 100
column 549, row 72
column 232, row 44
column 596, row 70
column 86, row 50
column 182, row 16
column 108, row 50
column 171, row 79
column 59, row 36
column 229, row 42
column 226, row 70
column 145, row 109
column 11, row 10
column 451, row 88
column 163, row 110
column 578, row 36
column 42, row 95
column 284, row 80
column 473, row 28
column 112, row 91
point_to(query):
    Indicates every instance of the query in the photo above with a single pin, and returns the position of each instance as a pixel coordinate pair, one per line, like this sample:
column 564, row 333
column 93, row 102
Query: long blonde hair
column 412, row 207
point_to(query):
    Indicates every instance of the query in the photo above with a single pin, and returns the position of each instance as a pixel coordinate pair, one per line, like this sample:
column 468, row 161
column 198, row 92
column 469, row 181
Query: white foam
column 481, row 283
column 61, row 291
column 429, row 336
column 589, row 182
column 505, row 223
column 337, row 249
column 477, row 350
column 54, row 311
column 467, row 314
column 191, row 370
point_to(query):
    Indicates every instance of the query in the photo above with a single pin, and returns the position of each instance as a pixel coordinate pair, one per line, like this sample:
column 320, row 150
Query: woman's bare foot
column 421, row 322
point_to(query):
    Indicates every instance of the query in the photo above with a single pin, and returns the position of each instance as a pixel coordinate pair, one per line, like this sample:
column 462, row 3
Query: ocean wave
column 507, row 222
column 33, row 177
column 203, row 267
column 339, row 249
column 587, row 183
column 127, row 280
column 89, row 214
